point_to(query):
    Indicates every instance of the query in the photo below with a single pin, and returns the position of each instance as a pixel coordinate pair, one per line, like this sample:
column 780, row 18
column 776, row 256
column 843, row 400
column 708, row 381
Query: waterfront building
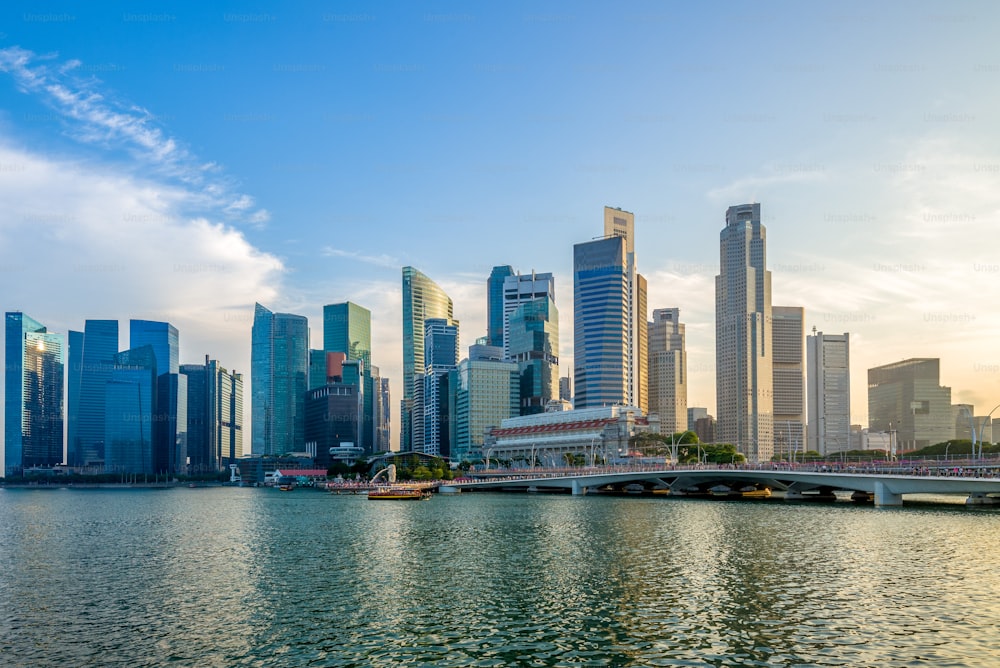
column 668, row 370
column 333, row 415
column 789, row 379
column 92, row 353
column 441, row 346
column 486, row 392
column 215, row 416
column 131, row 411
column 744, row 379
column 422, row 299
column 532, row 342
column 347, row 328
column 495, row 312
column 829, row 378
column 609, row 318
column 595, row 434
column 279, row 360
column 33, row 401
column 170, row 425
column 907, row 398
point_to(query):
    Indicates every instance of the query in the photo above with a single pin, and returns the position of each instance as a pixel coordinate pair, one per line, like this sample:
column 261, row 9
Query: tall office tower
column 422, row 299
column 609, row 318
column 440, row 356
column 521, row 289
column 486, row 391
column 495, row 304
column 789, row 379
column 279, row 361
column 907, row 398
column 33, row 403
column 215, row 416
column 131, row 412
column 668, row 370
column 92, row 355
column 332, row 420
column 828, row 374
column 744, row 379
column 347, row 328
column 533, row 343
column 383, row 416
column 170, row 425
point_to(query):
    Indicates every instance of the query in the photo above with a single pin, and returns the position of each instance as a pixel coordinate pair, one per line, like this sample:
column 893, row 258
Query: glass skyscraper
column 441, row 345
column 609, row 318
column 33, row 403
column 279, row 360
column 495, row 313
column 743, row 338
column 92, row 354
column 533, row 343
column 170, row 426
column 130, row 412
column 215, row 416
column 347, row 328
column 422, row 299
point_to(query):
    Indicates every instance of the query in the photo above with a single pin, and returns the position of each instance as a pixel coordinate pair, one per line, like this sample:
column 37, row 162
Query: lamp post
column 675, row 441
column 985, row 419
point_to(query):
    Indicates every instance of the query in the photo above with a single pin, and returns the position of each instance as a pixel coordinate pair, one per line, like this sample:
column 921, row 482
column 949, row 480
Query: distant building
column 566, row 389
column 347, row 328
column 170, row 425
column 279, row 360
column 486, row 392
column 441, row 345
column 422, row 299
column 520, row 289
column 704, row 429
column 789, row 379
column 829, row 378
column 693, row 414
column 333, row 416
column 533, row 344
column 215, row 416
column 744, row 379
column 131, row 412
column 495, row 320
column 906, row 398
column 91, row 359
column 609, row 318
column 668, row 370
column 33, row 403
column 383, row 416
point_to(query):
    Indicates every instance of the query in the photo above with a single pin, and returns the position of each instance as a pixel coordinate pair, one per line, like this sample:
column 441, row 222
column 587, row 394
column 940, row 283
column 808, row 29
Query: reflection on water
column 255, row 577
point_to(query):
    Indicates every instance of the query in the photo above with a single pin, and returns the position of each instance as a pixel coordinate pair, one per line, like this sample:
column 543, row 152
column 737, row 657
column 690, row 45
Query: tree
column 722, row 453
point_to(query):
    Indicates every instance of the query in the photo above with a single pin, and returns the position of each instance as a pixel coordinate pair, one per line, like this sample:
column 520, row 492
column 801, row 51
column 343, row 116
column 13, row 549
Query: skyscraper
column 494, row 304
column 33, row 402
column 347, row 328
column 92, row 356
column 383, row 415
column 170, row 425
column 486, row 392
column 441, row 345
column 422, row 299
column 744, row 378
column 279, row 360
column 668, row 370
column 907, row 398
column 609, row 318
column 828, row 376
column 215, row 416
column 789, row 373
column 533, row 343
column 131, row 412
column 519, row 289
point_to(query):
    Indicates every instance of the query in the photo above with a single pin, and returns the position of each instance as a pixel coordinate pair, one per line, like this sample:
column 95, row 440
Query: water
column 252, row 577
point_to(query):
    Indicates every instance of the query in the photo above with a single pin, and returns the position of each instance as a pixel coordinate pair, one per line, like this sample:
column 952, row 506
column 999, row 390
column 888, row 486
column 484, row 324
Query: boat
column 398, row 494
column 286, row 483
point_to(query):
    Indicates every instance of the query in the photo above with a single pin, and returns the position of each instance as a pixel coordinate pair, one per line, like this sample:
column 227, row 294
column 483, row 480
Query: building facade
column 170, row 425
column 828, row 361
column 743, row 340
column 347, row 327
column 609, row 318
column 441, row 345
column 668, row 370
column 215, row 416
column 422, row 299
column 487, row 391
column 131, row 412
column 92, row 354
column 789, row 374
column 34, row 380
column 495, row 304
column 906, row 398
column 279, row 360
column 533, row 344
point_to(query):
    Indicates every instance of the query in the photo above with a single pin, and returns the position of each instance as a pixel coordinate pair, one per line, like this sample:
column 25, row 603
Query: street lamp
column 985, row 419
column 675, row 440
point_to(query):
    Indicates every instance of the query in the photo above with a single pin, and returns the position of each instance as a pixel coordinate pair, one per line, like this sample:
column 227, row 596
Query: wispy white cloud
column 377, row 260
column 94, row 115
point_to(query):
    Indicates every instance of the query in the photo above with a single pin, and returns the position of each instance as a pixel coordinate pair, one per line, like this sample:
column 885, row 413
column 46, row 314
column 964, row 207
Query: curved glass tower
column 422, row 299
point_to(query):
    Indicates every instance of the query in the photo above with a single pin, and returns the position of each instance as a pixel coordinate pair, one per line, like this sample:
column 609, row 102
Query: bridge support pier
column 578, row 489
column 980, row 499
column 883, row 497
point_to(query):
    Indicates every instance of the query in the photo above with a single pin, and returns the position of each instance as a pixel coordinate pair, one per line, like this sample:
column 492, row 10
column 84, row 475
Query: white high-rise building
column 521, row 289
column 668, row 370
column 828, row 361
column 609, row 318
column 743, row 338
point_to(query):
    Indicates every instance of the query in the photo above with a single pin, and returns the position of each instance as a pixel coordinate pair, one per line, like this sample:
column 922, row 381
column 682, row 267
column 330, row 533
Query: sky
column 181, row 162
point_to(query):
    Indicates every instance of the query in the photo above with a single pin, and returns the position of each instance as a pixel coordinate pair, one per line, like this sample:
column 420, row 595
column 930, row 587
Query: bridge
column 885, row 484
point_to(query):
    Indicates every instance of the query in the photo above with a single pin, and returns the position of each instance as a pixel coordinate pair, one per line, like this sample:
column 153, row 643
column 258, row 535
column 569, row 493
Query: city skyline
column 187, row 186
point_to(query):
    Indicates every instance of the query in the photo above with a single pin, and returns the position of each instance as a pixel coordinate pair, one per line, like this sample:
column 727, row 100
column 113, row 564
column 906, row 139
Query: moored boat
column 398, row 493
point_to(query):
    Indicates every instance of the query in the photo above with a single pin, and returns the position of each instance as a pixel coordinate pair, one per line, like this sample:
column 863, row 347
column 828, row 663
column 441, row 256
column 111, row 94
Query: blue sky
column 180, row 162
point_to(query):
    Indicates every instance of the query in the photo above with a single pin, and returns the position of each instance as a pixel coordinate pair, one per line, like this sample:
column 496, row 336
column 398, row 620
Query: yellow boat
column 398, row 494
